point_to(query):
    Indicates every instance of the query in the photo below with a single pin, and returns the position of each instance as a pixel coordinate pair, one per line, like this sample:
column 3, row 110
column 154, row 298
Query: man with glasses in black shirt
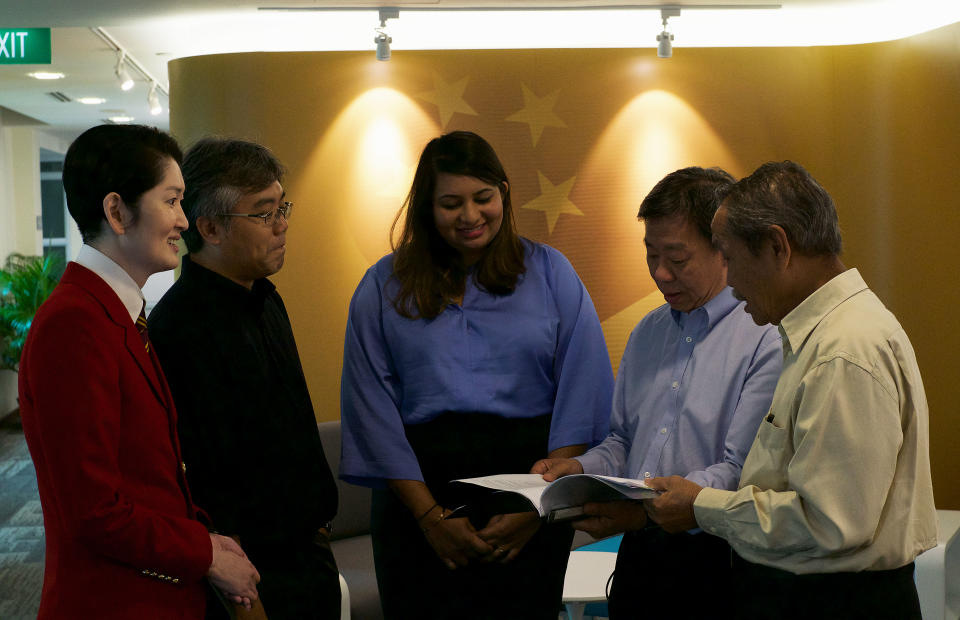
column 253, row 455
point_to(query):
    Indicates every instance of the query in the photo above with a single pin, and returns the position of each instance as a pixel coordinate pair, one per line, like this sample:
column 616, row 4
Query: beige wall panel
column 584, row 134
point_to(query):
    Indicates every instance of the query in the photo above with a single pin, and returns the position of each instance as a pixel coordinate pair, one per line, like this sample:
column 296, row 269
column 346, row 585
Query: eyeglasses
column 271, row 217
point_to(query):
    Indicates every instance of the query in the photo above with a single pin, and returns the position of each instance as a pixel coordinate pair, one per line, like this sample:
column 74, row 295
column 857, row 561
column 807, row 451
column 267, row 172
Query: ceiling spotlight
column 382, row 39
column 383, row 42
column 91, row 100
column 123, row 76
column 154, row 101
column 664, row 45
column 665, row 38
column 117, row 120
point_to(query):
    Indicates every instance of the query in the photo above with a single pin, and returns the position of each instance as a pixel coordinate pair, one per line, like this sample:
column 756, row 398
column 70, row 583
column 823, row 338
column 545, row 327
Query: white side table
column 938, row 571
column 344, row 599
column 586, row 580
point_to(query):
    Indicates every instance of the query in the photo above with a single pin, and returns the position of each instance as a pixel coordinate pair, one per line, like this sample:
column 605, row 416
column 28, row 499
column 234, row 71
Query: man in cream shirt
column 835, row 499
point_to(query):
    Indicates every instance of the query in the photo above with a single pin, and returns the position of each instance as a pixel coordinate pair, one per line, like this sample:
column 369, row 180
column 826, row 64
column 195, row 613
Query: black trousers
column 301, row 584
column 661, row 575
column 414, row 583
column 297, row 581
column 761, row 592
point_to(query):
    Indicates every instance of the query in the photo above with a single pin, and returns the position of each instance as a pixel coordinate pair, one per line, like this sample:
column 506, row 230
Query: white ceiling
column 155, row 32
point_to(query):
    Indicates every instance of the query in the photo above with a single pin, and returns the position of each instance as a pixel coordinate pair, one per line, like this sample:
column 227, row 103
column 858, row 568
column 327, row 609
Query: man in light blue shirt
column 695, row 381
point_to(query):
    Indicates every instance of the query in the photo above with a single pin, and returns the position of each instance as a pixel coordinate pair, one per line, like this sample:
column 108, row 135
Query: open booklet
column 560, row 500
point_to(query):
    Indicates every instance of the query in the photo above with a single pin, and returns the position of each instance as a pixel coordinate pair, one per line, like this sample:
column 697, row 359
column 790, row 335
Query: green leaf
column 25, row 283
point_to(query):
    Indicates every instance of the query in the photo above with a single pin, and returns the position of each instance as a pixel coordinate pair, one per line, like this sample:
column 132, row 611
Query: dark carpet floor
column 21, row 527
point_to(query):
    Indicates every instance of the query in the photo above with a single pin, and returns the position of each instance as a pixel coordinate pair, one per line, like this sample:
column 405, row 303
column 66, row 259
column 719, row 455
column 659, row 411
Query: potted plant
column 25, row 283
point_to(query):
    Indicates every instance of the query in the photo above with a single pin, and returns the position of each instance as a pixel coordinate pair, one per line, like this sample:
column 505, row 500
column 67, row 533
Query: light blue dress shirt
column 690, row 394
column 536, row 351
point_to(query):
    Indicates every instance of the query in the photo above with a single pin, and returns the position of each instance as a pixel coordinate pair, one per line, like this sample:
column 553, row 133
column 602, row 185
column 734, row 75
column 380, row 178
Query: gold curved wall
column 584, row 134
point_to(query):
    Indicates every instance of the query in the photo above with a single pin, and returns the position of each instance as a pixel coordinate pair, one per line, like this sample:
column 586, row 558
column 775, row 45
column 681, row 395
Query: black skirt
column 413, row 581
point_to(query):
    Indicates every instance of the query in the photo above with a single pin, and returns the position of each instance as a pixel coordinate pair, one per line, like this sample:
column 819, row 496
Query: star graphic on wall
column 553, row 200
column 448, row 97
column 537, row 112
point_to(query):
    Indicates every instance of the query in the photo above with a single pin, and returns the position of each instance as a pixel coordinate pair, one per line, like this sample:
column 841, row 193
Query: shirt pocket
column 770, row 455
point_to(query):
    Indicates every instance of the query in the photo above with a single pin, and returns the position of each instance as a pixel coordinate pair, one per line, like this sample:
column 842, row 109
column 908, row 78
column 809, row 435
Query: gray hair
column 217, row 173
column 784, row 194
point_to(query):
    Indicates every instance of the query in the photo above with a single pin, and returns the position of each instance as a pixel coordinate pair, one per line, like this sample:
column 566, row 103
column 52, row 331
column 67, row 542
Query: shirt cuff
column 592, row 464
column 709, row 507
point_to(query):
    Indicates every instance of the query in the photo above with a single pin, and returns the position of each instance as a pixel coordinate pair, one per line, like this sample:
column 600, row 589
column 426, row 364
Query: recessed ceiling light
column 92, row 100
column 46, row 75
column 120, row 119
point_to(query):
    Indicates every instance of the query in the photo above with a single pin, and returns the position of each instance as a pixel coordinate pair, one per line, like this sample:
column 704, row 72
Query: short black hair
column 218, row 172
column 126, row 159
column 693, row 193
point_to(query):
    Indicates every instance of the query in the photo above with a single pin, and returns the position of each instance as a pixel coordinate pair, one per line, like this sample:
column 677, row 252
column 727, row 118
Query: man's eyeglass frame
column 271, row 217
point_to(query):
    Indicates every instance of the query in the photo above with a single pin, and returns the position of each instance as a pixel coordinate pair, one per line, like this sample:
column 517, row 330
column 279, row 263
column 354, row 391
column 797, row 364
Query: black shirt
column 248, row 434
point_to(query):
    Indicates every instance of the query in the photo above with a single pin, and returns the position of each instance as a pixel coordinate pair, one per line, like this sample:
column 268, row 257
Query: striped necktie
column 142, row 328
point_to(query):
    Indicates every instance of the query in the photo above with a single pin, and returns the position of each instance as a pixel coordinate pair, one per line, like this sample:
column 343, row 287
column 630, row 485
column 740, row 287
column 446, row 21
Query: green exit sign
column 25, row 46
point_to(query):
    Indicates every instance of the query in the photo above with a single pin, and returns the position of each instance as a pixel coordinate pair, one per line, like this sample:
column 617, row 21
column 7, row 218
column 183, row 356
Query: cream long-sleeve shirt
column 838, row 477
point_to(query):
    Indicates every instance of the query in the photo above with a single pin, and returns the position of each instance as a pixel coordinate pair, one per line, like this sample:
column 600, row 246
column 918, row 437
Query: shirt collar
column 212, row 280
column 802, row 320
column 718, row 307
column 116, row 278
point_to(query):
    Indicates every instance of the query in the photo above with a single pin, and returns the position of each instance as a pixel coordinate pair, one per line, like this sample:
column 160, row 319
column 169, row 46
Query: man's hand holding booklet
column 560, row 500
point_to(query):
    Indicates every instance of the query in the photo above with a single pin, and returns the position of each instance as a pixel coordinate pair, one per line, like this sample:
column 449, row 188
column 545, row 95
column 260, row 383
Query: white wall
column 7, row 211
column 19, row 209
column 8, row 379
column 25, row 148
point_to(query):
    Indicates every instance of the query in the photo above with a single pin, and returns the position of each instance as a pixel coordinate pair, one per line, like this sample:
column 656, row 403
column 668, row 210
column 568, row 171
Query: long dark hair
column 429, row 271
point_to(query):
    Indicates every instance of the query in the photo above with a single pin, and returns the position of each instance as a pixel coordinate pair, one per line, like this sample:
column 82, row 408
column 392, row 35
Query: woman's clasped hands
column 457, row 542
column 508, row 534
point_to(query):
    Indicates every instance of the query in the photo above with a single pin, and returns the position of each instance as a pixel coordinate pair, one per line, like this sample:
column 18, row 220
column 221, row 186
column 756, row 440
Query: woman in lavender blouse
column 469, row 351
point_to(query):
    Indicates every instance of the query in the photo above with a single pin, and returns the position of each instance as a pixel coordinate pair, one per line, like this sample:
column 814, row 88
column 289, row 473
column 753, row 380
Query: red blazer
column 122, row 535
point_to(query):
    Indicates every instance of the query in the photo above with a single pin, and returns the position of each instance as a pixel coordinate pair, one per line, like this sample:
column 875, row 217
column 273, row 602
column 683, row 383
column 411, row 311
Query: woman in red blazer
column 123, row 539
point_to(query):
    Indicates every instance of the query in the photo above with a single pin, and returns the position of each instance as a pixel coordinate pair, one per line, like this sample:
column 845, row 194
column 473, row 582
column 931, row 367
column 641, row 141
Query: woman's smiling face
column 468, row 213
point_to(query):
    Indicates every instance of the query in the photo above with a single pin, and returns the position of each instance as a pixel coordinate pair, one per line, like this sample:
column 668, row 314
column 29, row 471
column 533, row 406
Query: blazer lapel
column 146, row 363
column 101, row 291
